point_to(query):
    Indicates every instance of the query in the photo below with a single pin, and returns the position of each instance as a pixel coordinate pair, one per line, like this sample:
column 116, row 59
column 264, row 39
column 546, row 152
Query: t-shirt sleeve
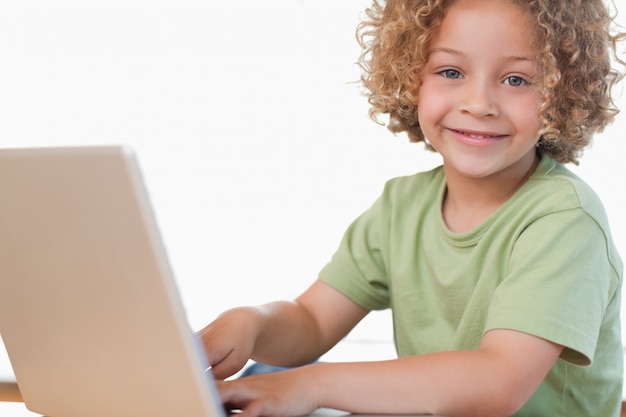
column 559, row 284
column 357, row 269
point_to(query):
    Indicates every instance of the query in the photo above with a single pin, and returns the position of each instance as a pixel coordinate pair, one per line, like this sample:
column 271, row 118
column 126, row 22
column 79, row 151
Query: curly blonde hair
column 575, row 46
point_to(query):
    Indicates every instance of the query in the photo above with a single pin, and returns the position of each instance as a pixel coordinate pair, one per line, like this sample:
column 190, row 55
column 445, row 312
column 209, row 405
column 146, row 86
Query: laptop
column 90, row 314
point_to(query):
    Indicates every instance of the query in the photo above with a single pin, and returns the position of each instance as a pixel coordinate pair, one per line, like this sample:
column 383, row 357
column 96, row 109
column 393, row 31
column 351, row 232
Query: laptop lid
column 89, row 310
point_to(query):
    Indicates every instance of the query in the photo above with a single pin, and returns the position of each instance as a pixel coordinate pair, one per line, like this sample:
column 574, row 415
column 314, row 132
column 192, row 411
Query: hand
column 277, row 394
column 229, row 341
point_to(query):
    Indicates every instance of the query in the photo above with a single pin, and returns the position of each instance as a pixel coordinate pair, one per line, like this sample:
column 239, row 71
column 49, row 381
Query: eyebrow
column 460, row 53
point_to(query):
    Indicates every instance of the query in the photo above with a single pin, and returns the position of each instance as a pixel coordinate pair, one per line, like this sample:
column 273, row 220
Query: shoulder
column 404, row 201
column 415, row 186
column 553, row 188
column 557, row 205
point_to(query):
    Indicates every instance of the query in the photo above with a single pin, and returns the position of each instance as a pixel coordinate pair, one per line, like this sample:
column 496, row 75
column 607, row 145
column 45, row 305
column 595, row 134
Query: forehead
column 486, row 24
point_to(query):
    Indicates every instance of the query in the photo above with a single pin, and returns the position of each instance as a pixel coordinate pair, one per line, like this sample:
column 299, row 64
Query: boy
column 499, row 267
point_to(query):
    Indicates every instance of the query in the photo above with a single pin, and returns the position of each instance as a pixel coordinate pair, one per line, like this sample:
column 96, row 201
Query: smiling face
column 477, row 105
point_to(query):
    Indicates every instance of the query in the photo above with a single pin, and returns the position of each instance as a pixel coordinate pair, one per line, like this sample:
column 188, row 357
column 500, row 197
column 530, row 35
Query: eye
column 450, row 73
column 515, row 81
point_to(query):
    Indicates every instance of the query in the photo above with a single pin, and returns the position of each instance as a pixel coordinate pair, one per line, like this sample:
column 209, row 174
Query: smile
column 474, row 138
column 478, row 135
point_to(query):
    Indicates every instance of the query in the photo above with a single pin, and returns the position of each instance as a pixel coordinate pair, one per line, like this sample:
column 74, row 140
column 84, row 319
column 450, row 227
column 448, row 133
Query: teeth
column 478, row 136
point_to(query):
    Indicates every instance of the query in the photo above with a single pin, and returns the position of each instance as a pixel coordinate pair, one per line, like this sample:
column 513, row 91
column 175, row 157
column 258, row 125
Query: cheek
column 432, row 103
column 528, row 116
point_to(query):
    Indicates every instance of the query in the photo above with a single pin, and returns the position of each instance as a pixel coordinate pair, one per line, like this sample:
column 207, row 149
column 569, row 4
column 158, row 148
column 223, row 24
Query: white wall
column 256, row 149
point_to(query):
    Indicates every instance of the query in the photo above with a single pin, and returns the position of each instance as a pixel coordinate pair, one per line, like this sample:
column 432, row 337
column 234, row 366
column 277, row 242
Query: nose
column 479, row 99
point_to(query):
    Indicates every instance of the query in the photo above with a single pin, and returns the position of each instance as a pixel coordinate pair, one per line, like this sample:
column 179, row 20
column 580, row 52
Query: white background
column 256, row 148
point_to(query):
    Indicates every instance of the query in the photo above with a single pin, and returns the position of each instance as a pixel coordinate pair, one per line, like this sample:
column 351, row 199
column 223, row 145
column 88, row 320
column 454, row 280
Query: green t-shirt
column 544, row 263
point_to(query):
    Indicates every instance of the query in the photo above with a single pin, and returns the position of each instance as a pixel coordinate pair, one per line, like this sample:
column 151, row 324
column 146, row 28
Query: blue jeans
column 261, row 368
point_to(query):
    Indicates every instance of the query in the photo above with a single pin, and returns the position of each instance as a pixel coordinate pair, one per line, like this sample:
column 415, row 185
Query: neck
column 470, row 201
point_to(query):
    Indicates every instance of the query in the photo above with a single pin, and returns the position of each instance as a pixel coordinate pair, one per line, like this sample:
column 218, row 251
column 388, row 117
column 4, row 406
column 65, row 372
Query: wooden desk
column 11, row 405
column 9, row 392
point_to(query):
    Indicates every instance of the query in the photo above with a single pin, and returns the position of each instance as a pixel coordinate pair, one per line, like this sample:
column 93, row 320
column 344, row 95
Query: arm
column 494, row 380
column 282, row 333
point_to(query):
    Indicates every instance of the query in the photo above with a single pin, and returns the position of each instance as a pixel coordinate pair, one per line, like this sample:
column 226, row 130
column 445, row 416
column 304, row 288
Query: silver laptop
column 89, row 310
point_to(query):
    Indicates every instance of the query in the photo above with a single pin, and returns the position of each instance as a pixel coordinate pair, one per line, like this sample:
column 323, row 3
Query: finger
column 255, row 409
column 232, row 394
